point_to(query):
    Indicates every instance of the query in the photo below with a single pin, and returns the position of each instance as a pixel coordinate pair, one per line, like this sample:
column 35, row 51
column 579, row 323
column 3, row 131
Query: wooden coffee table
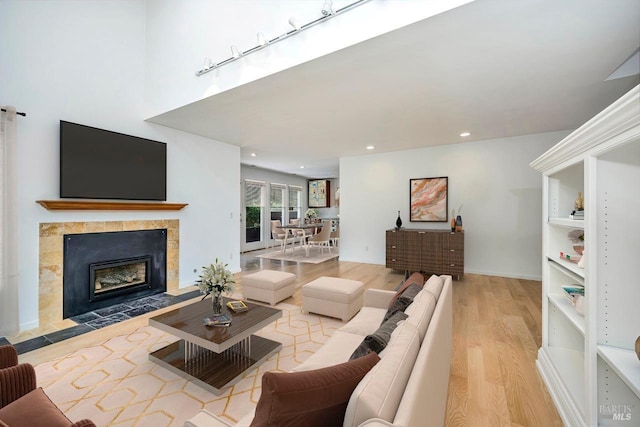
column 214, row 357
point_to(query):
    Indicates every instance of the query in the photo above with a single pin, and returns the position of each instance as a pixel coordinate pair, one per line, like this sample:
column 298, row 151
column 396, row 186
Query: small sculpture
column 579, row 204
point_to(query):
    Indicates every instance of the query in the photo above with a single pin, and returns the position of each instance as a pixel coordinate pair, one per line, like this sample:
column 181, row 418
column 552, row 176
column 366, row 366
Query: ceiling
column 495, row 68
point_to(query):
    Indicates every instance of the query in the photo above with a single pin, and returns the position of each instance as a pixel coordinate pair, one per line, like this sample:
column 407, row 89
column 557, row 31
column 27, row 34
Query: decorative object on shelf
column 216, row 279
column 429, row 201
column 582, row 261
column 398, row 222
column 453, row 220
column 638, row 348
column 579, row 203
column 580, row 305
column 577, row 238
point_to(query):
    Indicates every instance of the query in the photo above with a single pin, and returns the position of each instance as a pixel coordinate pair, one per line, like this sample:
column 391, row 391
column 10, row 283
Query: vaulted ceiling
column 494, row 68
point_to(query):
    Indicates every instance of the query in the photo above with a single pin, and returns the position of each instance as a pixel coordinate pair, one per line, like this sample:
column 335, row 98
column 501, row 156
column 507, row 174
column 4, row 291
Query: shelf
column 561, row 302
column 625, row 363
column 571, row 266
column 567, row 222
column 83, row 205
column 569, row 273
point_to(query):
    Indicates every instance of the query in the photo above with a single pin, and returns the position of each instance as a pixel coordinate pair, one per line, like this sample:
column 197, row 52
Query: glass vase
column 217, row 303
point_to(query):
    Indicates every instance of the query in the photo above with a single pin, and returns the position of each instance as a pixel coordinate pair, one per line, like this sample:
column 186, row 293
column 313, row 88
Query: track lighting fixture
column 327, row 8
column 295, row 23
column 208, row 63
column 261, row 40
column 327, row 13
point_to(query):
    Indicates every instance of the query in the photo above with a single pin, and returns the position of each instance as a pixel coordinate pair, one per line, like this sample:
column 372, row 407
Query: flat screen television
column 100, row 164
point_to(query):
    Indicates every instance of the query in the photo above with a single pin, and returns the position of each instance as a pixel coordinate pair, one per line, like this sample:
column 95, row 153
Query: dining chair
column 279, row 235
column 322, row 239
column 335, row 236
column 301, row 234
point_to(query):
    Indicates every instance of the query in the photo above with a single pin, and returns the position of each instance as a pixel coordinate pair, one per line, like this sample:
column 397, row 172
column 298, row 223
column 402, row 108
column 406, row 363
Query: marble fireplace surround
column 51, row 257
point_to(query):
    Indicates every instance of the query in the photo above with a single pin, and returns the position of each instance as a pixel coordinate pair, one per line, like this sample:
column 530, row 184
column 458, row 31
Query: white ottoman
column 332, row 296
column 268, row 286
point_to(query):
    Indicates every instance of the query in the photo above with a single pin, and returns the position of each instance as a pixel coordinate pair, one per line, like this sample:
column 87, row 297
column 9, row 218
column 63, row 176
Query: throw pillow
column 403, row 301
column 21, row 411
column 416, row 278
column 377, row 341
column 310, row 398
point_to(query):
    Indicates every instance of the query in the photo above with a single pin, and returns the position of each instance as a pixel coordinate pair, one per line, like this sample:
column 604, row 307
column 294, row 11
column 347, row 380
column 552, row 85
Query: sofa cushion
column 403, row 301
column 21, row 413
column 365, row 322
column 337, row 349
column 416, row 278
column 310, row 398
column 380, row 391
column 420, row 311
column 434, row 285
column 379, row 339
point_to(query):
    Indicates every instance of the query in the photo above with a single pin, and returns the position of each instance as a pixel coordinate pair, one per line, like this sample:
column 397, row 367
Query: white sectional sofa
column 408, row 386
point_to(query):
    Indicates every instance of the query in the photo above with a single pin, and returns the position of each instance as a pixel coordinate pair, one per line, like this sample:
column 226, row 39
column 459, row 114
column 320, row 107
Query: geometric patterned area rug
column 298, row 254
column 115, row 384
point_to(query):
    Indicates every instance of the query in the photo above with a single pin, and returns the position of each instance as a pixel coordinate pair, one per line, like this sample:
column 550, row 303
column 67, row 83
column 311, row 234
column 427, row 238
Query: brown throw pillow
column 34, row 409
column 310, row 398
column 416, row 278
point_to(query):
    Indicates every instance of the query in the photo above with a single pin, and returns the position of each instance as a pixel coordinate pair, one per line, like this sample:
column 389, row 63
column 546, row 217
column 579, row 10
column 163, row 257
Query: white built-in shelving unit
column 588, row 361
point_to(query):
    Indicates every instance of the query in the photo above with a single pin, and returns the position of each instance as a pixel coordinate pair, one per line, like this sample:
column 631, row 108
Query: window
column 295, row 202
column 277, row 202
column 254, row 210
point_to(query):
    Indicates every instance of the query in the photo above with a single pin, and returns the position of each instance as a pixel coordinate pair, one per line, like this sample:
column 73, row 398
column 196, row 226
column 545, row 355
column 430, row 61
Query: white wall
column 84, row 61
column 502, row 197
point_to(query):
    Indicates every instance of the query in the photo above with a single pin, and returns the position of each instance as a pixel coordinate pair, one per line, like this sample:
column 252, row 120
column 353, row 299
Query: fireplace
column 109, row 278
column 103, row 269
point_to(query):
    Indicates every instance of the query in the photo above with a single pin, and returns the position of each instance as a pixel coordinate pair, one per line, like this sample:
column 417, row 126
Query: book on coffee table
column 237, row 306
column 217, row 320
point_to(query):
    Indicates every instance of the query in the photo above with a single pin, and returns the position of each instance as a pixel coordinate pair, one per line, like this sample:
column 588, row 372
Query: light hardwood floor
column 497, row 332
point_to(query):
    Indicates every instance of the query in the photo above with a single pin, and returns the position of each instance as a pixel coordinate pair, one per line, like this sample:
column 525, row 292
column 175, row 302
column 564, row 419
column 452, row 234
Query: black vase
column 458, row 223
column 398, row 222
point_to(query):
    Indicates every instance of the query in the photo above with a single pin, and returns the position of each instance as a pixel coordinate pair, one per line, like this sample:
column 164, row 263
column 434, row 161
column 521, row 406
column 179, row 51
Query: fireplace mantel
column 83, row 205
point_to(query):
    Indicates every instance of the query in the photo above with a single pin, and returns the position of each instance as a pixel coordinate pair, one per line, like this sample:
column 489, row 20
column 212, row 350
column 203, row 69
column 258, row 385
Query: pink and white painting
column 429, row 199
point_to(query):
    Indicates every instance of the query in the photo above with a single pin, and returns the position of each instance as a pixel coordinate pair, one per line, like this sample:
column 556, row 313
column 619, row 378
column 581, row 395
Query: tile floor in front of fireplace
column 100, row 318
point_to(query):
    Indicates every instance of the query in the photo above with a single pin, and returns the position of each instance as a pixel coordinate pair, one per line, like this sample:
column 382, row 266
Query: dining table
column 299, row 227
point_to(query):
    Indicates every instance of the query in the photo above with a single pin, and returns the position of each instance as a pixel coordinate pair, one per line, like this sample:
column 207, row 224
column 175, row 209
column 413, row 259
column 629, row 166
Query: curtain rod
column 18, row 113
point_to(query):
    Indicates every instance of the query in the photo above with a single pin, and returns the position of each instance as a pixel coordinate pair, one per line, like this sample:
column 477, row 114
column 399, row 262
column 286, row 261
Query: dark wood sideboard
column 428, row 251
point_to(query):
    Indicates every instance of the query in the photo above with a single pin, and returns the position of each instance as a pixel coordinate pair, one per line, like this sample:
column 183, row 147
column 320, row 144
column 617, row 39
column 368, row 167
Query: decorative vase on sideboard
column 398, row 222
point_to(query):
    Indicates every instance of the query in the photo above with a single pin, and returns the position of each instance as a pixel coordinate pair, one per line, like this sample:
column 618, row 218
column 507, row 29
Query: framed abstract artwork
column 429, row 202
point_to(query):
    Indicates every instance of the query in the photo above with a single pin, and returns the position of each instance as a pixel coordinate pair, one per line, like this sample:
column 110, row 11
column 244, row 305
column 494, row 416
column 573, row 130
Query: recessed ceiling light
column 465, row 134
column 301, row 166
column 253, row 154
column 370, row 147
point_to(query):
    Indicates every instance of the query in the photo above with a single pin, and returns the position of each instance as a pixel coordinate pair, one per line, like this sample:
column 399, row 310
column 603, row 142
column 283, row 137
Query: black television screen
column 99, row 164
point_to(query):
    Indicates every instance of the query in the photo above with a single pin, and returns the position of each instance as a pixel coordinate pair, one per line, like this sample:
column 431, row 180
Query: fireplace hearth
column 103, row 269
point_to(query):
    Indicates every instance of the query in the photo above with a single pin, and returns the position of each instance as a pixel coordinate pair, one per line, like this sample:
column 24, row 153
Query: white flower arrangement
column 216, row 279
column 311, row 213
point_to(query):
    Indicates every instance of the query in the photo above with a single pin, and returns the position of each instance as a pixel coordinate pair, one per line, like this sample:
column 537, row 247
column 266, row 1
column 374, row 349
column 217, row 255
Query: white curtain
column 9, row 321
